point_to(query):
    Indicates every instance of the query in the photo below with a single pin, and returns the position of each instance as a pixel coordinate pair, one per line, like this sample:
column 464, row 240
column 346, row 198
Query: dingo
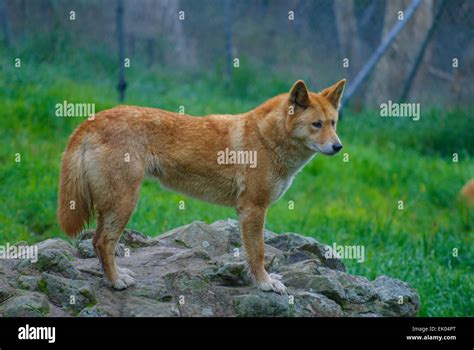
column 107, row 159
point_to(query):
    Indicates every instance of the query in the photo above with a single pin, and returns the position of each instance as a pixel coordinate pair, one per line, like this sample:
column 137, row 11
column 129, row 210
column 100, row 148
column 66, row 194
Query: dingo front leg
column 252, row 221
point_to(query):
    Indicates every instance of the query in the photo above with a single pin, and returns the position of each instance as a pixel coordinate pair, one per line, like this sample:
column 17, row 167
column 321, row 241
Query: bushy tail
column 75, row 206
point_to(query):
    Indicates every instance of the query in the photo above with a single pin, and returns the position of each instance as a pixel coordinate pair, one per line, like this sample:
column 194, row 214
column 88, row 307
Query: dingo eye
column 333, row 122
column 318, row 125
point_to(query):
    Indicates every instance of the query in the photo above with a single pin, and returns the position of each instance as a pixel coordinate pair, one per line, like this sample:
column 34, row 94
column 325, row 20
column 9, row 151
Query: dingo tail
column 75, row 206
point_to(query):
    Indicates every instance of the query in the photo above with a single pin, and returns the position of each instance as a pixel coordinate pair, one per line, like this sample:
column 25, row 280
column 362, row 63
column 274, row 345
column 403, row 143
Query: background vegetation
column 352, row 202
column 189, row 63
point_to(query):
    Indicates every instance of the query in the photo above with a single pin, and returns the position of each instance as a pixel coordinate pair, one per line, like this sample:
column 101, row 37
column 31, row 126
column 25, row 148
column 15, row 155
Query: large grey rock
column 53, row 259
column 262, row 304
column 6, row 291
column 28, row 282
column 93, row 311
column 70, row 294
column 141, row 307
column 30, row 304
column 300, row 248
column 313, row 304
column 197, row 270
column 85, row 249
column 57, row 243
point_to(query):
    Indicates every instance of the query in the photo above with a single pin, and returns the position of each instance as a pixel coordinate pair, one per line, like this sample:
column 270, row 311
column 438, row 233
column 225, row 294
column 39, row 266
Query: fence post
column 228, row 39
column 421, row 54
column 377, row 55
column 122, row 84
column 5, row 23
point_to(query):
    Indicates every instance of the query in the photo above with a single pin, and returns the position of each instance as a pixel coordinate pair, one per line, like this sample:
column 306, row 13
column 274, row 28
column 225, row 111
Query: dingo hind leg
column 114, row 182
column 111, row 224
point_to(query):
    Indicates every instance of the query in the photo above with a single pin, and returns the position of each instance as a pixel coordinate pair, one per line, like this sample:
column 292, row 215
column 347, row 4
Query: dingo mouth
column 324, row 149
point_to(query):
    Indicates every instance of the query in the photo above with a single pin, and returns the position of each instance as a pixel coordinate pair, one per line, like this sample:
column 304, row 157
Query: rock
column 86, row 250
column 316, row 305
column 50, row 258
column 398, row 298
column 31, row 304
column 316, row 283
column 55, row 260
column 134, row 239
column 262, row 304
column 28, row 282
column 197, row 270
column 301, row 248
column 233, row 273
column 58, row 244
column 358, row 289
column 139, row 307
column 153, row 288
column 69, row 294
column 201, row 236
column 93, row 311
column 129, row 238
column 6, row 291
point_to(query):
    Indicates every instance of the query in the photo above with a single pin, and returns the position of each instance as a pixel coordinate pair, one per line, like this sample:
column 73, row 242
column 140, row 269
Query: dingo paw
column 273, row 284
column 125, row 271
column 123, row 281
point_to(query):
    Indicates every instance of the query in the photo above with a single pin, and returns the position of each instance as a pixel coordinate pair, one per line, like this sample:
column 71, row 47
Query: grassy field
column 353, row 202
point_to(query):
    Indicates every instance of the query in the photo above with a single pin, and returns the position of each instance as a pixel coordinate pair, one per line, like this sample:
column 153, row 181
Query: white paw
column 273, row 284
column 118, row 284
column 123, row 281
column 125, row 271
column 275, row 276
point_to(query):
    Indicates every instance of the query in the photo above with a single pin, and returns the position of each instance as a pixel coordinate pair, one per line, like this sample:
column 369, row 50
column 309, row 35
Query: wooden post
column 228, row 39
column 421, row 53
column 5, row 23
column 122, row 84
column 377, row 55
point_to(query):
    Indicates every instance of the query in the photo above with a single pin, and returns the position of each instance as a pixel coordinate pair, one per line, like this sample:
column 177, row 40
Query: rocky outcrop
column 195, row 270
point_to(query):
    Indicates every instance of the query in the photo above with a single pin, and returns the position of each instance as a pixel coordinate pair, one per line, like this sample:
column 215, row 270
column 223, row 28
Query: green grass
column 352, row 202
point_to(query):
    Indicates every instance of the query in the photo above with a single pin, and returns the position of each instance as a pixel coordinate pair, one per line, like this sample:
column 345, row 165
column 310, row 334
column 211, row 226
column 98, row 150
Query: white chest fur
column 281, row 187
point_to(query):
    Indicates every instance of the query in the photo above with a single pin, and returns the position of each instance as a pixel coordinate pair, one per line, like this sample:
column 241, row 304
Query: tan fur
column 181, row 152
column 467, row 192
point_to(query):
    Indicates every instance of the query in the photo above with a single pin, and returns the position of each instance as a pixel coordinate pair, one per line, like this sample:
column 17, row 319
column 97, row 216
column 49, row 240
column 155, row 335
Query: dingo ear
column 299, row 95
column 334, row 93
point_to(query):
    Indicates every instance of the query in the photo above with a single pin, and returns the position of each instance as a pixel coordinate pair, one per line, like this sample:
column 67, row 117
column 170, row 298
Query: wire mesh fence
column 320, row 41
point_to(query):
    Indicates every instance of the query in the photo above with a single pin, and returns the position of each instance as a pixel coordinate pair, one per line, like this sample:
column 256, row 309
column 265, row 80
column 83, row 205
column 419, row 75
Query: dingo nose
column 337, row 147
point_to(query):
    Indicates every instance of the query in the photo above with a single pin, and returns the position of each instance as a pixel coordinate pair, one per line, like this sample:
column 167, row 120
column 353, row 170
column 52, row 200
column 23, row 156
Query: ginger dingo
column 108, row 157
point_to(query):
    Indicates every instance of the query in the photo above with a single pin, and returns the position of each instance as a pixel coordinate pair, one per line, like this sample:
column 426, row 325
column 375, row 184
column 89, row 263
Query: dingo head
column 312, row 117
